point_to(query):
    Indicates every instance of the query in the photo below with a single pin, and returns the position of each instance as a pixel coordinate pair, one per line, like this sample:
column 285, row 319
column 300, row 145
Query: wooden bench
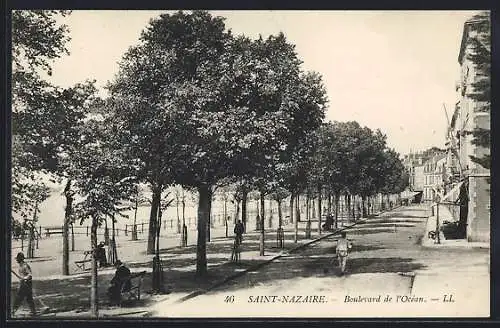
column 53, row 230
column 81, row 265
column 134, row 292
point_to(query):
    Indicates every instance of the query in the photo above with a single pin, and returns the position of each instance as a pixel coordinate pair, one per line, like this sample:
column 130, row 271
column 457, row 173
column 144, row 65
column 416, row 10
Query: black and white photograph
column 249, row 164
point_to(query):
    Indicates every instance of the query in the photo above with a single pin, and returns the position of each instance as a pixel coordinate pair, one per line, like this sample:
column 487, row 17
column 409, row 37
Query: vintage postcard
column 250, row 164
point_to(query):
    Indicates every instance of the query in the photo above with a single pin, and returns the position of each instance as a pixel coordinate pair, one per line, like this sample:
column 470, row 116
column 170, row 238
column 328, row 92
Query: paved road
column 386, row 258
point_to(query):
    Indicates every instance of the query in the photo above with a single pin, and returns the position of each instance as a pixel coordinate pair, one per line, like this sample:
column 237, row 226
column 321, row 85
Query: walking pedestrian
column 239, row 229
column 342, row 251
column 25, row 290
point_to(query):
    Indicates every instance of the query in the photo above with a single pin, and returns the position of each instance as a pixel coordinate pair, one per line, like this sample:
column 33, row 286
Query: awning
column 450, row 193
column 409, row 194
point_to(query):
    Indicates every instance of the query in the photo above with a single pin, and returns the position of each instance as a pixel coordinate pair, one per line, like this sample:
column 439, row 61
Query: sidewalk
column 462, row 243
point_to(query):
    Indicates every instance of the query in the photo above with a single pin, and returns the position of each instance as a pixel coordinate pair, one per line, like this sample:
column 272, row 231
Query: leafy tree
column 46, row 120
column 106, row 182
column 480, row 56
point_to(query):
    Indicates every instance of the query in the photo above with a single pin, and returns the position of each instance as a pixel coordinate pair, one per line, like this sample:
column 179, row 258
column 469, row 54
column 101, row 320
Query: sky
column 388, row 70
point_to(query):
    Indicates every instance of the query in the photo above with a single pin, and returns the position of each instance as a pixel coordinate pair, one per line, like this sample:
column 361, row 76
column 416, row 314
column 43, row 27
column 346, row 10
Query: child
column 342, row 250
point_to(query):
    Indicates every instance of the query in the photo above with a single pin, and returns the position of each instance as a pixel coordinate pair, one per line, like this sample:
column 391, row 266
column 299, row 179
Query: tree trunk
column 237, row 211
column 319, row 210
column 72, row 238
column 67, row 218
column 329, row 201
column 262, row 228
column 30, row 253
column 292, row 196
column 363, row 206
column 297, row 208
column 106, row 232
column 184, row 227
column 226, row 217
column 31, row 241
column 153, row 217
column 205, row 198
column 347, row 208
column 312, row 205
column 134, row 227
column 178, row 217
column 113, row 257
column 244, row 202
column 308, row 217
column 209, row 225
column 94, row 299
column 157, row 282
column 337, row 210
column 280, row 214
column 352, row 201
column 297, row 218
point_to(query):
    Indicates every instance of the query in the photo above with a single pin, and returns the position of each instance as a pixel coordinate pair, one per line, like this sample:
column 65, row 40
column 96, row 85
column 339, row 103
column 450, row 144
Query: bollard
column 87, row 231
column 142, row 227
column 126, row 232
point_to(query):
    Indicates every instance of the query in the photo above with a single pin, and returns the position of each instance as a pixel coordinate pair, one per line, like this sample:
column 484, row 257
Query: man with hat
column 101, row 255
column 120, row 281
column 25, row 290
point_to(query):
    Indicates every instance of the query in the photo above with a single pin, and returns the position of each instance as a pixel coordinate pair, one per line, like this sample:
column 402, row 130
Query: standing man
column 239, row 229
column 101, row 255
column 25, row 290
column 342, row 251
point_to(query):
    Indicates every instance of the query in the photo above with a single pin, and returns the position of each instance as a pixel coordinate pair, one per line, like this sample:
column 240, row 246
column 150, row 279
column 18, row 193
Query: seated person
column 121, row 281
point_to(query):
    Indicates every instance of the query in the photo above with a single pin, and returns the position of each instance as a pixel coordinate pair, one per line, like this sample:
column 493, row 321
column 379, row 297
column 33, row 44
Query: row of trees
column 192, row 105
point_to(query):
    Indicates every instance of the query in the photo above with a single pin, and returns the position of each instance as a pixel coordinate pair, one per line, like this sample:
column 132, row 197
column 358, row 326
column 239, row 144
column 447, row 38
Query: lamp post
column 438, row 239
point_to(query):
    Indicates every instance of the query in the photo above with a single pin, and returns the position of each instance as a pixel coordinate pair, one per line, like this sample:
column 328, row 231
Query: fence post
column 87, row 231
column 142, row 227
column 126, row 230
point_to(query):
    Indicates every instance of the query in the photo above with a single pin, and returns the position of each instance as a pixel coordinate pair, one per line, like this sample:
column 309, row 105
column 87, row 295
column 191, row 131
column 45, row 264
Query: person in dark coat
column 328, row 222
column 101, row 255
column 120, row 281
column 239, row 229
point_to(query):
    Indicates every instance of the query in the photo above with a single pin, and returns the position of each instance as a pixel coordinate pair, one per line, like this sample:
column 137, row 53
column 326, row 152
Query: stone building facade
column 466, row 118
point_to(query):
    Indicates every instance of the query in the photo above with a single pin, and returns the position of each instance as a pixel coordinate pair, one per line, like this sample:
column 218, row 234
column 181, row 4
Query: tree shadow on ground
column 361, row 231
column 387, row 225
column 391, row 221
column 321, row 267
column 382, row 265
